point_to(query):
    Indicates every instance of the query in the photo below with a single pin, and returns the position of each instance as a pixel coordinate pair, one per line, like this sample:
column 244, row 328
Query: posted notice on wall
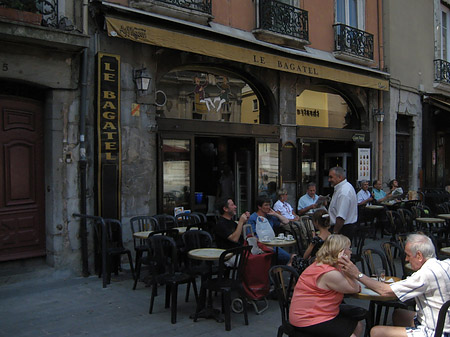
column 363, row 164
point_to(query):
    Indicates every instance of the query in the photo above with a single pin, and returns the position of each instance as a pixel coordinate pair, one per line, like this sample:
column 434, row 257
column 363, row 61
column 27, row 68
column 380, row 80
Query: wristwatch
column 359, row 276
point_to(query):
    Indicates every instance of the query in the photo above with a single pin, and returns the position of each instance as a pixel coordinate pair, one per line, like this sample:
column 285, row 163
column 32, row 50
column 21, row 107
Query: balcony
column 352, row 44
column 198, row 11
column 38, row 12
column 442, row 71
column 282, row 24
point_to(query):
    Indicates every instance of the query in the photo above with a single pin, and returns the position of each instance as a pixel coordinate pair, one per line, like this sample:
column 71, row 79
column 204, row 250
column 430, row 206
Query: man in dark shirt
column 228, row 232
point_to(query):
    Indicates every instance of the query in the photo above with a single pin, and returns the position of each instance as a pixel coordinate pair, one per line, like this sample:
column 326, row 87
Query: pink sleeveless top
column 310, row 304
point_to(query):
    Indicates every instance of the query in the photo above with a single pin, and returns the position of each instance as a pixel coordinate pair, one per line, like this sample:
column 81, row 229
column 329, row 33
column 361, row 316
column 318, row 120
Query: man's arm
column 282, row 219
column 306, row 209
column 349, row 268
column 238, row 232
column 338, row 225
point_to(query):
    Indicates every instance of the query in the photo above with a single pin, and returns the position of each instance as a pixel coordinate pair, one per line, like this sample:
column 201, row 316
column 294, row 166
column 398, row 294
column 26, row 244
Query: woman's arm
column 308, row 251
column 337, row 281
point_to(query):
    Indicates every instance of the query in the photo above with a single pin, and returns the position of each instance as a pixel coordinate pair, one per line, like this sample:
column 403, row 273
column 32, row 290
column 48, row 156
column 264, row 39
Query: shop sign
column 359, row 137
column 108, row 135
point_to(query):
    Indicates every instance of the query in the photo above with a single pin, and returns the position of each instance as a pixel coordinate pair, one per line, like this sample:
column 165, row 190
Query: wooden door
column 402, row 162
column 22, row 226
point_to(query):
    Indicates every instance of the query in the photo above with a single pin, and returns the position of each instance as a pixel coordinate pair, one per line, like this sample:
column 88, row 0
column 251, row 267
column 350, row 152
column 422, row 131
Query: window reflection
column 268, row 169
column 309, row 164
column 315, row 108
column 208, row 96
column 176, row 173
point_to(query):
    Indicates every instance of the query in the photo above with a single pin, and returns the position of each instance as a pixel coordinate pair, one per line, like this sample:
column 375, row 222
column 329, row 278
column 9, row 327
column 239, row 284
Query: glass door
column 309, row 164
column 268, row 169
column 176, row 170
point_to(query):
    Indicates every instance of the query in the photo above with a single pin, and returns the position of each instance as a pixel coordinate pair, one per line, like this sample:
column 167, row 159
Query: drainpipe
column 380, row 93
column 83, row 160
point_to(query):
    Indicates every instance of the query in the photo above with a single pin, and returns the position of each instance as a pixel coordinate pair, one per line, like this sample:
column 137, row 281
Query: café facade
column 218, row 97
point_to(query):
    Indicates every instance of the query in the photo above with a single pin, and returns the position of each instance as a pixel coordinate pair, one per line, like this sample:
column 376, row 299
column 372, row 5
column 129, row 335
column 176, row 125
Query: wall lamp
column 379, row 115
column 142, row 79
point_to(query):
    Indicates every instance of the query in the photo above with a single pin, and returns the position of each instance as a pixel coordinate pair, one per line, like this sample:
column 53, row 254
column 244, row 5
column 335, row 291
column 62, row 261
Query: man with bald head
column 343, row 206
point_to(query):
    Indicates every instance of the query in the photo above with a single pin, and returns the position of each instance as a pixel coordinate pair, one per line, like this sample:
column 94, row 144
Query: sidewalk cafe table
column 445, row 250
column 444, row 216
column 428, row 222
column 145, row 234
column 210, row 255
column 373, row 297
column 279, row 243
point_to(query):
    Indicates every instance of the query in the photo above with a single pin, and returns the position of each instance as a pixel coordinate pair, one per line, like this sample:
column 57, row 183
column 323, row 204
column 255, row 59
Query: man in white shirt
column 429, row 286
column 343, row 208
column 364, row 197
column 308, row 202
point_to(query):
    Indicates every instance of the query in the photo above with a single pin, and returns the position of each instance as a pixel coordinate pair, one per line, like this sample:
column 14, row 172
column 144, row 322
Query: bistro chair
column 284, row 279
column 443, row 313
column 163, row 252
column 141, row 223
column 188, row 219
column 166, row 221
column 299, row 240
column 148, row 260
column 229, row 278
column 114, row 247
column 194, row 239
column 407, row 219
column 247, row 230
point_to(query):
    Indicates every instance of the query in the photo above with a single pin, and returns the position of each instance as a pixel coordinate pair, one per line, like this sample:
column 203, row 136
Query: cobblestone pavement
column 49, row 303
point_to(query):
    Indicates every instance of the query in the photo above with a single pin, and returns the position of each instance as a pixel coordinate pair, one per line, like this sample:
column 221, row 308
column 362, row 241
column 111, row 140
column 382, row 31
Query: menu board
column 363, row 164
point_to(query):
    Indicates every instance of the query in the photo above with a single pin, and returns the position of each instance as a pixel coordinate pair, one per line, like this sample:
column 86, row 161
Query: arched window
column 325, row 109
column 209, row 96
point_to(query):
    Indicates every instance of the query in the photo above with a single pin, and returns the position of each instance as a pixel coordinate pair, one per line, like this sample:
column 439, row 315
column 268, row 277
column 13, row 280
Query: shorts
column 422, row 330
column 340, row 326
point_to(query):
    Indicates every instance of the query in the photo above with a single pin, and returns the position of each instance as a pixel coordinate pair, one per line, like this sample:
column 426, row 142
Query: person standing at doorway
column 343, row 206
column 225, row 187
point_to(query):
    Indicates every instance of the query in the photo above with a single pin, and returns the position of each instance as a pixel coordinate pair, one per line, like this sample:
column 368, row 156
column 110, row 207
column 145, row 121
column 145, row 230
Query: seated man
column 284, row 208
column 378, row 194
column 429, row 286
column 308, row 202
column 264, row 210
column 228, row 232
column 363, row 196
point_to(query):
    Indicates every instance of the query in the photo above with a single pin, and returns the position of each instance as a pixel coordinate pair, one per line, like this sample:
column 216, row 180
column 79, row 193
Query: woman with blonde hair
column 319, row 292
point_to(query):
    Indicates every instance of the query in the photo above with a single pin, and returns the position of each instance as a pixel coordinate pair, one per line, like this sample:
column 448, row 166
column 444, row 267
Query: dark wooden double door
column 22, row 218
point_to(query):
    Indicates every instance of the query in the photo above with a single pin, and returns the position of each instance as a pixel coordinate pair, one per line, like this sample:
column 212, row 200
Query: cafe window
column 176, row 173
column 208, row 96
column 268, row 169
column 325, row 109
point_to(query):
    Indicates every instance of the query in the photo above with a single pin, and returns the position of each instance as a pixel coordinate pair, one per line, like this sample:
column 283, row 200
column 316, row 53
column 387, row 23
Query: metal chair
column 188, row 219
column 163, row 251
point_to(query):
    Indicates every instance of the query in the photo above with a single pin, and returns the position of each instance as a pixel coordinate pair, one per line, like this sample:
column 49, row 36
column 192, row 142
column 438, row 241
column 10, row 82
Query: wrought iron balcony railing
column 203, row 6
column 442, row 71
column 48, row 9
column 353, row 41
column 281, row 18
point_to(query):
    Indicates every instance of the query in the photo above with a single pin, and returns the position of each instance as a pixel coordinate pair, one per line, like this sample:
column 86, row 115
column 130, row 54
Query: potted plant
column 20, row 10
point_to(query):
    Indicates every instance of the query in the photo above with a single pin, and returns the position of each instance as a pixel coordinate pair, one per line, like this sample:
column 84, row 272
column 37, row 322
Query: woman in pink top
column 319, row 292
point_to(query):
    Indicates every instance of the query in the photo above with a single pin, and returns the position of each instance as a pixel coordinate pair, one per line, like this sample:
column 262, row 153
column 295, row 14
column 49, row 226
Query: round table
column 445, row 250
column 279, row 243
column 444, row 216
column 145, row 234
column 370, row 295
column 374, row 207
column 429, row 221
column 206, row 254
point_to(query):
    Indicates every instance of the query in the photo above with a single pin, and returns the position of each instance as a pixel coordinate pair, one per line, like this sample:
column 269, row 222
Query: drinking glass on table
column 381, row 275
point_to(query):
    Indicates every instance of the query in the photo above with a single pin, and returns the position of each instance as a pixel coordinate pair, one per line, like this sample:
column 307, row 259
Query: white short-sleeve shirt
column 430, row 286
column 343, row 203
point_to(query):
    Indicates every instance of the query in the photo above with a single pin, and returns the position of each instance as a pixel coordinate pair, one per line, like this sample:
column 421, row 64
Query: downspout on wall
column 83, row 159
column 380, row 93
